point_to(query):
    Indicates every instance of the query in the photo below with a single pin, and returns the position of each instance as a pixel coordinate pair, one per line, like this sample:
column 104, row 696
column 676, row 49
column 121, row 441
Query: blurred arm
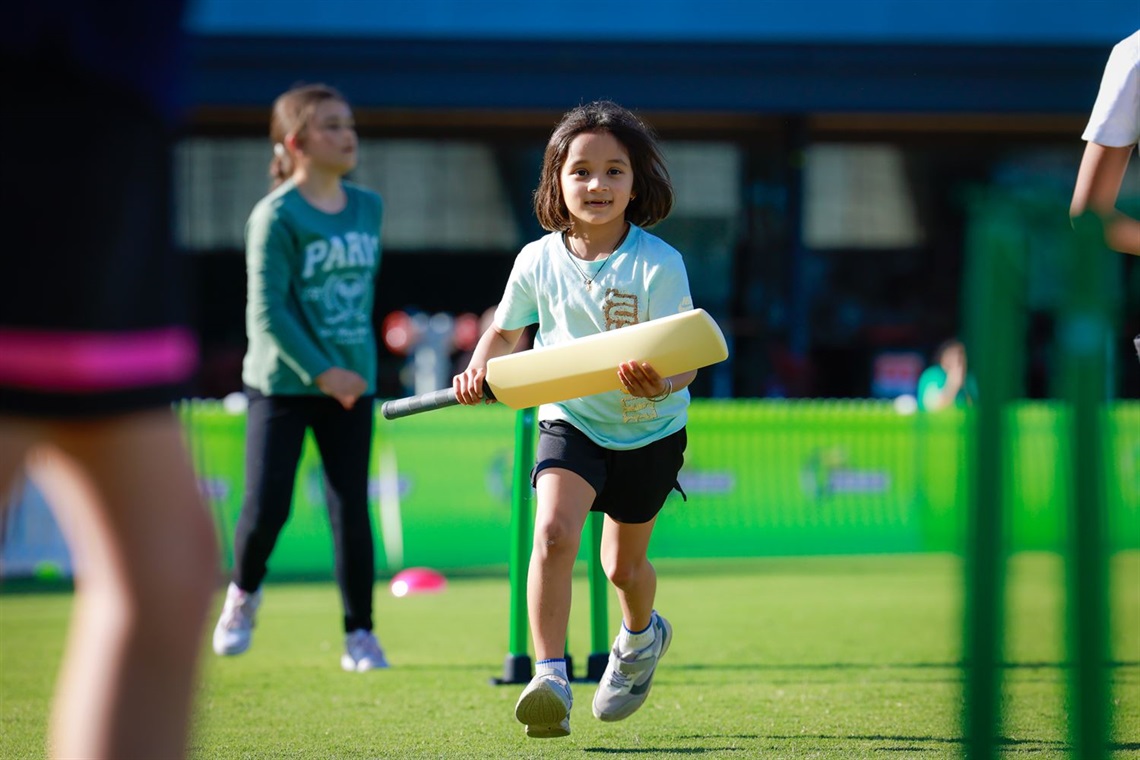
column 1098, row 186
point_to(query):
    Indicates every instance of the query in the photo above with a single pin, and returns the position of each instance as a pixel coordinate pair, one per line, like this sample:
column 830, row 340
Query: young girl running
column 603, row 179
column 312, row 252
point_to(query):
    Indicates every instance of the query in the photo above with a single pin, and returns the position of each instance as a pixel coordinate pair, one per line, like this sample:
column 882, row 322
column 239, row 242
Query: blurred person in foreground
column 946, row 382
column 94, row 348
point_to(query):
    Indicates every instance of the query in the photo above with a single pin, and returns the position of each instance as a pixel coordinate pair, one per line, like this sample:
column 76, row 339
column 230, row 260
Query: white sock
column 630, row 642
column 555, row 666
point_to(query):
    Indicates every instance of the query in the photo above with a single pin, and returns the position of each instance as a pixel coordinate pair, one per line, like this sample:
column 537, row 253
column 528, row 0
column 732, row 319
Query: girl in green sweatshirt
column 312, row 255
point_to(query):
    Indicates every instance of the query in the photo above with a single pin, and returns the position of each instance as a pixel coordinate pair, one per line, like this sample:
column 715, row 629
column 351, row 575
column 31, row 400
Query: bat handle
column 425, row 402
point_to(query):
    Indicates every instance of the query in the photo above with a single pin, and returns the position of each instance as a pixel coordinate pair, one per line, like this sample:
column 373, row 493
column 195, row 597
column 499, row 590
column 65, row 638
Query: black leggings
column 275, row 433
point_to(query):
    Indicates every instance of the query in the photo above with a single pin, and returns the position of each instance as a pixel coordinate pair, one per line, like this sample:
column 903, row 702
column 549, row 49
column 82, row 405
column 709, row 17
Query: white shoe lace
column 619, row 680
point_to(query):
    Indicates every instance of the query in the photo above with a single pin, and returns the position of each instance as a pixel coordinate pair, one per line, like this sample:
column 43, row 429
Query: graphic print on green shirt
column 311, row 285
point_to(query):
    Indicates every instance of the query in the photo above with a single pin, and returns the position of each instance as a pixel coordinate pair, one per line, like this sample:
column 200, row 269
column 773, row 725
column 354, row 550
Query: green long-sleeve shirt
column 311, row 284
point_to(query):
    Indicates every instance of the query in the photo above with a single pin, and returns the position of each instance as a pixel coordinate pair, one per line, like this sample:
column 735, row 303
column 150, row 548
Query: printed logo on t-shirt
column 620, row 310
column 344, row 297
column 340, row 270
column 343, row 308
column 355, row 250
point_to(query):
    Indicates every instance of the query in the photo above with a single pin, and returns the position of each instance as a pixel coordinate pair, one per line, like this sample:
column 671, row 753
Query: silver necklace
column 587, row 280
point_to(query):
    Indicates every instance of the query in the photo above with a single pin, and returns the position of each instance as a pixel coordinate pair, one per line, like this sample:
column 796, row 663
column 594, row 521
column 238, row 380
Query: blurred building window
column 706, row 178
column 447, row 195
column 438, row 195
column 858, row 196
column 217, row 182
column 705, row 221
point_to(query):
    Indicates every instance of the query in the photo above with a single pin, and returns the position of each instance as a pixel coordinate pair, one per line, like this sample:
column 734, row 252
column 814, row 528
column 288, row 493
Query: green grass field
column 844, row 657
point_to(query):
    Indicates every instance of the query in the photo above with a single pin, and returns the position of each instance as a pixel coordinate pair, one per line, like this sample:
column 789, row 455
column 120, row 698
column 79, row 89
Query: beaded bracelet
column 661, row 397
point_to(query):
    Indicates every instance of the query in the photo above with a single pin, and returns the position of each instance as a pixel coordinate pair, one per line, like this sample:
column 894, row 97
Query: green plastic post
column 1083, row 336
column 518, row 667
column 994, row 338
column 599, row 596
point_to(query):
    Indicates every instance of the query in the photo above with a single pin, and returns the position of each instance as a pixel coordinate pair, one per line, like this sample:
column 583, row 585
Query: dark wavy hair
column 652, row 188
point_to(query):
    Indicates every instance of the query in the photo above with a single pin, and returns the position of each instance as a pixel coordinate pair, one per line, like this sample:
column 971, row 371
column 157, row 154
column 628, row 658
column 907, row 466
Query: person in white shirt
column 1112, row 134
column 1111, row 137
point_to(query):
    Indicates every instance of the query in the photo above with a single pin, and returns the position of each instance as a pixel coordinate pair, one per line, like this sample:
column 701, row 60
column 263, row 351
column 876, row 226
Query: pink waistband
column 89, row 362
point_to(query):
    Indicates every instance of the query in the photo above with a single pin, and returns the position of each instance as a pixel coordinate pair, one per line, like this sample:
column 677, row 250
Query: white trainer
column 362, row 652
column 234, row 630
column 626, row 682
column 544, row 707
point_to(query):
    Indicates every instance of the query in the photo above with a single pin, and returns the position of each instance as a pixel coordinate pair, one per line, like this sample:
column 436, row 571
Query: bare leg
column 564, row 500
column 626, row 563
column 145, row 554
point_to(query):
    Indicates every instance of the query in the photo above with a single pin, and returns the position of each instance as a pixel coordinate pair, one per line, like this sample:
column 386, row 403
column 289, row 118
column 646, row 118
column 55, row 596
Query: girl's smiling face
column 597, row 180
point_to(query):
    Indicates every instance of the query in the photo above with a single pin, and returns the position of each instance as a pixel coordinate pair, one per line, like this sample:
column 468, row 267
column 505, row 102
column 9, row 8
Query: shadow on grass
column 916, row 742
column 887, row 666
column 660, row 751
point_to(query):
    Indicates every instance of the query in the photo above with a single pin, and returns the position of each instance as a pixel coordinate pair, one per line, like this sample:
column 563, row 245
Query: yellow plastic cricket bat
column 585, row 366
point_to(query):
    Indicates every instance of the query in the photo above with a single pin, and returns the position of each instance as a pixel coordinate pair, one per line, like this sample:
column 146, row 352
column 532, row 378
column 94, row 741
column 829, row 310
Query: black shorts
column 93, row 319
column 631, row 485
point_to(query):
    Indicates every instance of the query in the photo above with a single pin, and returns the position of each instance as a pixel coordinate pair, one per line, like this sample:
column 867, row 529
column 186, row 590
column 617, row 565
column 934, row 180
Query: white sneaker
column 626, row 682
column 362, row 652
column 234, row 630
column 544, row 706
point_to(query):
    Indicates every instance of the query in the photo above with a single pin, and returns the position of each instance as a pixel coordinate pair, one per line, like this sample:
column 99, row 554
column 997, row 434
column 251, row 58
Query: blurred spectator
column 946, row 382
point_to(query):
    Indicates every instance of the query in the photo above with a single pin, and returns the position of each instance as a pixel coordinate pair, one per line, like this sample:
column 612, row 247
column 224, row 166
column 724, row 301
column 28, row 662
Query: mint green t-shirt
column 644, row 279
column 311, row 285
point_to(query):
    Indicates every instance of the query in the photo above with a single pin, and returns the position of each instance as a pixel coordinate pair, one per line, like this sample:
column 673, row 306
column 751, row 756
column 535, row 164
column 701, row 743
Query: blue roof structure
column 1005, row 22
column 732, row 56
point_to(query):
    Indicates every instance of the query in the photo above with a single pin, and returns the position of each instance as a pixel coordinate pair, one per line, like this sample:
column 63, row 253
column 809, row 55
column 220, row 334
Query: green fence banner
column 764, row 478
